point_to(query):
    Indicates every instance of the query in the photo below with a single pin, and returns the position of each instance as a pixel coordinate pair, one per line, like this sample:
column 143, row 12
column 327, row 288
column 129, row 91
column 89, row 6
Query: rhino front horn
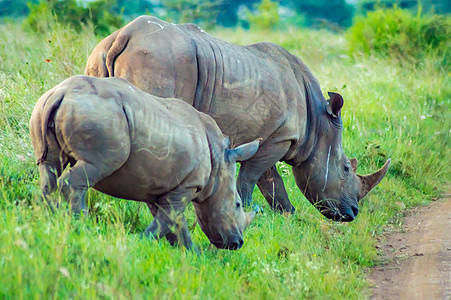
column 371, row 180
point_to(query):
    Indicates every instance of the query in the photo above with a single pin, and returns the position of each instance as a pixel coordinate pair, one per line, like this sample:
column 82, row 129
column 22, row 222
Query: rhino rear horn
column 249, row 217
column 371, row 180
column 243, row 152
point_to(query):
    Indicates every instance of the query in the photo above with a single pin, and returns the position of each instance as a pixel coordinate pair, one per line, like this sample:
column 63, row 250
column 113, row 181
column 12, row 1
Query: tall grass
column 402, row 112
column 399, row 34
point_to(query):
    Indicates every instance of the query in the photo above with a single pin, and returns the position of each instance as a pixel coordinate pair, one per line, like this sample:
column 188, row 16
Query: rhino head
column 328, row 178
column 221, row 216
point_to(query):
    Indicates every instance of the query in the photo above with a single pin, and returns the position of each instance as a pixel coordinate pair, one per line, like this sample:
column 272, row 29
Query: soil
column 417, row 258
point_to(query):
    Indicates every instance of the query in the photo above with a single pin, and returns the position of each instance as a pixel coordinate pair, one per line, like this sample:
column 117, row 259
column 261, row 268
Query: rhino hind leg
column 48, row 180
column 75, row 181
column 169, row 220
column 272, row 187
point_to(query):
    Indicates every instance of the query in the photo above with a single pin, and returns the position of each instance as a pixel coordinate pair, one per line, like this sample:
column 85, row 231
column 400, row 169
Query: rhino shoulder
column 277, row 52
column 269, row 48
column 190, row 27
column 144, row 20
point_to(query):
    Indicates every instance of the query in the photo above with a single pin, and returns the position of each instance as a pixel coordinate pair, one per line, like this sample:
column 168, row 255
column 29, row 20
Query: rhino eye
column 238, row 204
column 346, row 168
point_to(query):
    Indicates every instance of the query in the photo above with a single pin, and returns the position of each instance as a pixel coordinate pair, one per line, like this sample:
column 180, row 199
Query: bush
column 266, row 16
column 200, row 12
column 397, row 33
column 99, row 13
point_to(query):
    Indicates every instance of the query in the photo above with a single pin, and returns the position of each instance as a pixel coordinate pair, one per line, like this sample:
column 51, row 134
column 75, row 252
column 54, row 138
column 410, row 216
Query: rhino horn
column 249, row 217
column 371, row 180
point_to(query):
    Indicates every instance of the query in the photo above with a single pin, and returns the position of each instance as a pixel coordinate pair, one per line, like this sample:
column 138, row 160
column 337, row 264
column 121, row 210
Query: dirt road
column 418, row 258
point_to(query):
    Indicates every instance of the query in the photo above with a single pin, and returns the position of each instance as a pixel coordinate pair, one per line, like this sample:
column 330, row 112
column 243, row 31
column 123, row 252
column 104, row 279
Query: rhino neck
column 315, row 103
column 208, row 68
column 226, row 73
column 214, row 138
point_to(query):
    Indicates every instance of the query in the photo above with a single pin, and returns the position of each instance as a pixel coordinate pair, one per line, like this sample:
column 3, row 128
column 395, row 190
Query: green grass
column 390, row 111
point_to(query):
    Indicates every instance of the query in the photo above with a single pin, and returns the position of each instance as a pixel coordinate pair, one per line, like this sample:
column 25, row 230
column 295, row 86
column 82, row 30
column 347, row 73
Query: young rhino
column 132, row 145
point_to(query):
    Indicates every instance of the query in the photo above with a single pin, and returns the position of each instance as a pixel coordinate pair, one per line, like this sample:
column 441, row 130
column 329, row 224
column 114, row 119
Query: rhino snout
column 346, row 213
column 235, row 243
column 350, row 213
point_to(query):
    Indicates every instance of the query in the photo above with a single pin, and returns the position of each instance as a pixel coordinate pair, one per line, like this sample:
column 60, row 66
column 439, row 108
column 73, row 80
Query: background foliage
column 400, row 34
column 266, row 15
column 333, row 14
column 100, row 13
column 402, row 111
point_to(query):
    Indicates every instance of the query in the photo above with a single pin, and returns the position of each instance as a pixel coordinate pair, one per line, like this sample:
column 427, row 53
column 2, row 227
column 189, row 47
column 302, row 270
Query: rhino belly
column 149, row 173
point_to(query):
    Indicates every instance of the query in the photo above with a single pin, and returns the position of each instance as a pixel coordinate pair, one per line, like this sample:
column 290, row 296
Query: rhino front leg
column 272, row 187
column 252, row 170
column 169, row 220
column 171, row 237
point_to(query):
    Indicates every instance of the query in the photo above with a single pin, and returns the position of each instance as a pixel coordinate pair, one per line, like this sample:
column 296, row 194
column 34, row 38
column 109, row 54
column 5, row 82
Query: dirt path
column 418, row 258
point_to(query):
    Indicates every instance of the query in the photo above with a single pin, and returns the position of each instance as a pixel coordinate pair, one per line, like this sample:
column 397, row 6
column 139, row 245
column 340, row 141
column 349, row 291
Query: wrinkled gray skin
column 109, row 135
column 254, row 91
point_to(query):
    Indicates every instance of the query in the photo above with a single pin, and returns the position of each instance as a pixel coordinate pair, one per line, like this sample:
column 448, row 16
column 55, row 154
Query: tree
column 427, row 6
column 14, row 8
column 317, row 12
column 228, row 13
column 100, row 13
column 201, row 12
column 266, row 15
column 131, row 8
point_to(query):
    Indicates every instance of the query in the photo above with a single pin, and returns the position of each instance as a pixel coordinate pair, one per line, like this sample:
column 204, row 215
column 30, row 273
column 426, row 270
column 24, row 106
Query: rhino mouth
column 234, row 243
column 344, row 213
column 337, row 216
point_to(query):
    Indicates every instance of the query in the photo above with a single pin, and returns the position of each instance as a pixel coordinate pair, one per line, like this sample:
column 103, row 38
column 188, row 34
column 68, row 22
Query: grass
column 390, row 111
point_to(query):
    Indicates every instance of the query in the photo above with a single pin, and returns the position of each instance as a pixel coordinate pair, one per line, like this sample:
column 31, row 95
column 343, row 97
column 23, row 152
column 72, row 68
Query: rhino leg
column 251, row 170
column 171, row 237
column 272, row 187
column 75, row 181
column 169, row 220
column 181, row 235
column 48, row 177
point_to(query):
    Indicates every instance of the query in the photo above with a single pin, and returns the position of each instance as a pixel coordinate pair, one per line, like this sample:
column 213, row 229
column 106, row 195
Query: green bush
column 397, row 33
column 71, row 12
column 200, row 12
column 266, row 16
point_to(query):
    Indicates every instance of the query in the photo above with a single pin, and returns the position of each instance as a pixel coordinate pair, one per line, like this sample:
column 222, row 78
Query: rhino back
column 250, row 91
column 145, row 145
column 169, row 146
column 156, row 56
column 255, row 91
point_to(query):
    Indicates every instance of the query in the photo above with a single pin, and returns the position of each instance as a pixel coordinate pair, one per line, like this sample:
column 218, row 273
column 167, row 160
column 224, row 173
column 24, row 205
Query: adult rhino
column 254, row 91
column 132, row 145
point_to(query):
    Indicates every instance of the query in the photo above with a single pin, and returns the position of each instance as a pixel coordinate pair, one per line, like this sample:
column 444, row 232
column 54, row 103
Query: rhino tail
column 51, row 105
column 116, row 49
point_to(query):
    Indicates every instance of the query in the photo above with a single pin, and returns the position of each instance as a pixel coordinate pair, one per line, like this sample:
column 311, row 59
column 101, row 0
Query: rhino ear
column 334, row 104
column 243, row 152
column 353, row 164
